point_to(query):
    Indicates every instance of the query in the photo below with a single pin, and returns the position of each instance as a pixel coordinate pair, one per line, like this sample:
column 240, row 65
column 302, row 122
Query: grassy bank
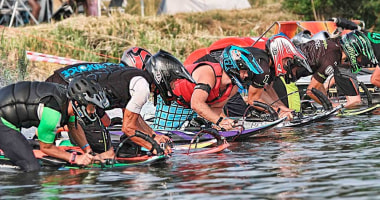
column 85, row 38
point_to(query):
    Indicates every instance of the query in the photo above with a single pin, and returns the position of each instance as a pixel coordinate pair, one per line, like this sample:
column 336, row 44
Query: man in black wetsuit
column 363, row 50
column 129, row 89
column 356, row 50
column 96, row 134
column 362, row 47
column 326, row 58
column 46, row 106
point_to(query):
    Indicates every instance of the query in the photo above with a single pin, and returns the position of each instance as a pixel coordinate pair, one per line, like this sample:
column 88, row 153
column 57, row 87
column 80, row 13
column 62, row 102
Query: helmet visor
column 183, row 74
column 244, row 60
column 98, row 99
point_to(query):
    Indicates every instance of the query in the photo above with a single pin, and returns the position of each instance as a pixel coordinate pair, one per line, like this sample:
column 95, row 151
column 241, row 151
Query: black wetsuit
column 27, row 104
column 324, row 57
column 115, row 79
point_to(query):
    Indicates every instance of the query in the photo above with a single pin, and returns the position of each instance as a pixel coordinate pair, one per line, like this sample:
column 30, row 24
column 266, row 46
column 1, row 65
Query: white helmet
column 322, row 35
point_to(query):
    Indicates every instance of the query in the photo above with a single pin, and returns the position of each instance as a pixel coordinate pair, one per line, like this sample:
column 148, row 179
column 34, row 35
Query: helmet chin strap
column 81, row 111
column 155, row 98
column 237, row 82
column 289, row 77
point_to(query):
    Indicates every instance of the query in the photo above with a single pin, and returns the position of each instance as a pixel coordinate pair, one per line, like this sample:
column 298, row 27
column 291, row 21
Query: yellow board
column 353, row 112
column 195, row 146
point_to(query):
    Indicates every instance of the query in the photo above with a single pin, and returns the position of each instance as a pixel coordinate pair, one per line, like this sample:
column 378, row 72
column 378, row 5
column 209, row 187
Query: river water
column 335, row 159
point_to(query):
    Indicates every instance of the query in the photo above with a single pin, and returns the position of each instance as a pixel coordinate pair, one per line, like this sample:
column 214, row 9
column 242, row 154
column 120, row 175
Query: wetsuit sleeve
column 49, row 122
column 140, row 92
column 260, row 80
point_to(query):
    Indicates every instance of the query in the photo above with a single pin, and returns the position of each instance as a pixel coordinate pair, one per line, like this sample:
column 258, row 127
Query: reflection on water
column 339, row 158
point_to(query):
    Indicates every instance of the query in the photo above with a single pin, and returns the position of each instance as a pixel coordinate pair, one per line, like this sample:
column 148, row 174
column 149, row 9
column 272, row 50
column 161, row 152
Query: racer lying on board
column 264, row 87
column 236, row 105
column 96, row 134
column 359, row 47
column 47, row 106
column 358, row 50
column 215, row 84
column 129, row 88
column 362, row 54
column 327, row 57
column 318, row 58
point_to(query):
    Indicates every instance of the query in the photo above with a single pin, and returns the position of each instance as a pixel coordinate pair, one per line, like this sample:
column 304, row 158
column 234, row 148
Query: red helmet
column 280, row 47
column 135, row 57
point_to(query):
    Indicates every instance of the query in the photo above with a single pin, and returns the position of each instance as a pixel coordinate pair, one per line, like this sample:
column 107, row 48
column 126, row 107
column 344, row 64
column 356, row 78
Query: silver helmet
column 301, row 37
column 322, row 35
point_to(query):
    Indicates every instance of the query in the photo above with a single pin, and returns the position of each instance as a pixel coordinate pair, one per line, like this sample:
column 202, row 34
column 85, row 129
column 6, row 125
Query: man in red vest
column 215, row 84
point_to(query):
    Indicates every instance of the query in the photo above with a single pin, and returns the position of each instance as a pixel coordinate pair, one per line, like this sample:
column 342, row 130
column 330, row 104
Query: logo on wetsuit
column 87, row 67
column 317, row 44
column 374, row 37
column 329, row 70
column 351, row 53
column 158, row 76
column 279, row 68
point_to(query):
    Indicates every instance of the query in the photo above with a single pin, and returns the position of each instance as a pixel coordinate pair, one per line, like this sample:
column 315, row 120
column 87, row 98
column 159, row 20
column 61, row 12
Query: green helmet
column 355, row 44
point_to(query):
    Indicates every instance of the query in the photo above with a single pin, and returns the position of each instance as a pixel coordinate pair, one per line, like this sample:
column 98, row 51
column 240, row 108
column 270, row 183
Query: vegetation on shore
column 100, row 39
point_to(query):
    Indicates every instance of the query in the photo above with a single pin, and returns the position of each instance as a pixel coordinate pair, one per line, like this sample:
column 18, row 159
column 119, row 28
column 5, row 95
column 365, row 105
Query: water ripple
column 336, row 159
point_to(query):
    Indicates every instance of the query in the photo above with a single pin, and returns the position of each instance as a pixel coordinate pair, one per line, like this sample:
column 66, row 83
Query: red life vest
column 184, row 89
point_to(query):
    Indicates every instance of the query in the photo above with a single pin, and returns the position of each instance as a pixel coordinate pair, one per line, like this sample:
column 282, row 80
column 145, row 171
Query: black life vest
column 19, row 102
column 116, row 84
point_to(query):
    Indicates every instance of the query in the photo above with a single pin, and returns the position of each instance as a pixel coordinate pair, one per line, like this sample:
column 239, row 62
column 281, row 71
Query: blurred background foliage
column 366, row 10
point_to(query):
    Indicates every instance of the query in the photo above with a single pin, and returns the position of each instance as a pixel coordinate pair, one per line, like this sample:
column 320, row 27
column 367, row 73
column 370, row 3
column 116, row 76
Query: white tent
column 181, row 6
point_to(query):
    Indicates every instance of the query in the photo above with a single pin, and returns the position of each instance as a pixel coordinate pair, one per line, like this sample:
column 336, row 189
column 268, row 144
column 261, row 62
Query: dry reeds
column 84, row 38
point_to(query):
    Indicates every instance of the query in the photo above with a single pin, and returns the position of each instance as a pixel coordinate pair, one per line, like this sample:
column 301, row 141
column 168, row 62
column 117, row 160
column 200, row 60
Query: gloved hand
column 345, row 23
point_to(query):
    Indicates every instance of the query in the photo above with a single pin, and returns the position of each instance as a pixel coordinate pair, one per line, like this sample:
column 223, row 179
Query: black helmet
column 355, row 44
column 135, row 57
column 165, row 68
column 84, row 91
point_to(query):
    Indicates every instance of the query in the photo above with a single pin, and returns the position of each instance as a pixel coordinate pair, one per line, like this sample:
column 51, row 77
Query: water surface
column 335, row 159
